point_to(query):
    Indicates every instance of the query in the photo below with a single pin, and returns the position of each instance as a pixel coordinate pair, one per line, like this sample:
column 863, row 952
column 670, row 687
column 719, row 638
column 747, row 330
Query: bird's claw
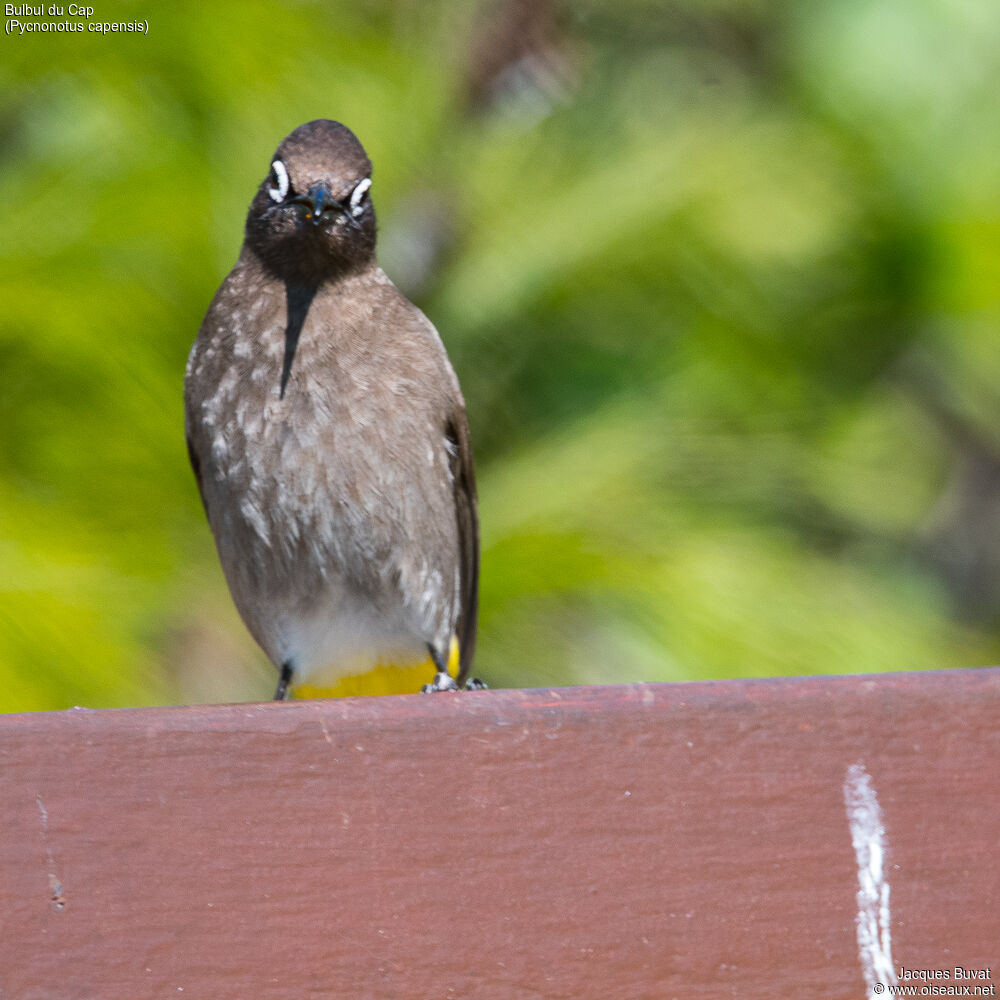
column 441, row 682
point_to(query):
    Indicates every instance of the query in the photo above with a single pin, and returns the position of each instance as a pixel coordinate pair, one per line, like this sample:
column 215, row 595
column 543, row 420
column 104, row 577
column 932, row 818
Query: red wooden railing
column 816, row 837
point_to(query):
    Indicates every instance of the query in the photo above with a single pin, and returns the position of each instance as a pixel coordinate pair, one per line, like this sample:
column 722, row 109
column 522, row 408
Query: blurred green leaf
column 719, row 280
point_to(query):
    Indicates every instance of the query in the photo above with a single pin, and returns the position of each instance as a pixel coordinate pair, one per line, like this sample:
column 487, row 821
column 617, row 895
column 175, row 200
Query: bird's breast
column 335, row 473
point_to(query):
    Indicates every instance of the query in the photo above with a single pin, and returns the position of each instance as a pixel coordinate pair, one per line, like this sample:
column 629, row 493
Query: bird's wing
column 464, row 485
column 196, row 466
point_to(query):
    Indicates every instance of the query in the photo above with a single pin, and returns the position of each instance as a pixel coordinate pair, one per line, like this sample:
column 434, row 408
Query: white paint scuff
column 868, row 837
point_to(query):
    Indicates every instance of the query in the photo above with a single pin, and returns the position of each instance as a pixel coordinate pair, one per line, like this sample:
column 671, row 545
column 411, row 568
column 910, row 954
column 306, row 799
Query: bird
column 330, row 443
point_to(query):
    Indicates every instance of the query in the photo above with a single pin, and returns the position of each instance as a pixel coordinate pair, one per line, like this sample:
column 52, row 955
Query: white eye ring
column 278, row 193
column 357, row 194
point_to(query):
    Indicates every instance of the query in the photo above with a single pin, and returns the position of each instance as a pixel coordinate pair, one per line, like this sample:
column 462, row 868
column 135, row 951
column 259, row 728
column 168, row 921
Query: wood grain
column 617, row 843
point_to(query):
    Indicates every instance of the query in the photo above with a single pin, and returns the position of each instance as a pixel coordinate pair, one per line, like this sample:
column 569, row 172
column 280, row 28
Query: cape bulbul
column 329, row 439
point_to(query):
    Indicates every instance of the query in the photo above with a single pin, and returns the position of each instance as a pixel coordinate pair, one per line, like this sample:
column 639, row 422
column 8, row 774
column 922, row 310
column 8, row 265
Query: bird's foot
column 441, row 682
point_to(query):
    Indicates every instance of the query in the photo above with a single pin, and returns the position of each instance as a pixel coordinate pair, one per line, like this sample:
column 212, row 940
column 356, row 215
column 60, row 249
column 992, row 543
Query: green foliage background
column 719, row 279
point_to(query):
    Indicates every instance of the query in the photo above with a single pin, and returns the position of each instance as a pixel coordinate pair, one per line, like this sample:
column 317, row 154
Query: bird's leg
column 284, row 680
column 442, row 679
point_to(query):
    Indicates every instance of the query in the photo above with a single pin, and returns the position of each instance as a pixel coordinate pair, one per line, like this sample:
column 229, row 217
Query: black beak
column 316, row 201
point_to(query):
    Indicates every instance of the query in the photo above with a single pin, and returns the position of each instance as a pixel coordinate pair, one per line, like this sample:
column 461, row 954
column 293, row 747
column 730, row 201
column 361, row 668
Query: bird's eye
column 278, row 187
column 358, row 196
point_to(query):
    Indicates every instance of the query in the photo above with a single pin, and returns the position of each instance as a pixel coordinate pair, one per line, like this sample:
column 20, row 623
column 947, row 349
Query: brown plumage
column 328, row 435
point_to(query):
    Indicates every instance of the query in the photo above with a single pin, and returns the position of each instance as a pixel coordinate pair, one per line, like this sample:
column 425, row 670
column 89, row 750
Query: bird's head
column 312, row 217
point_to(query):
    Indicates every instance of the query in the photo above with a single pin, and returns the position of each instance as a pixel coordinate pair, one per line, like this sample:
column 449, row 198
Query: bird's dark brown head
column 312, row 218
